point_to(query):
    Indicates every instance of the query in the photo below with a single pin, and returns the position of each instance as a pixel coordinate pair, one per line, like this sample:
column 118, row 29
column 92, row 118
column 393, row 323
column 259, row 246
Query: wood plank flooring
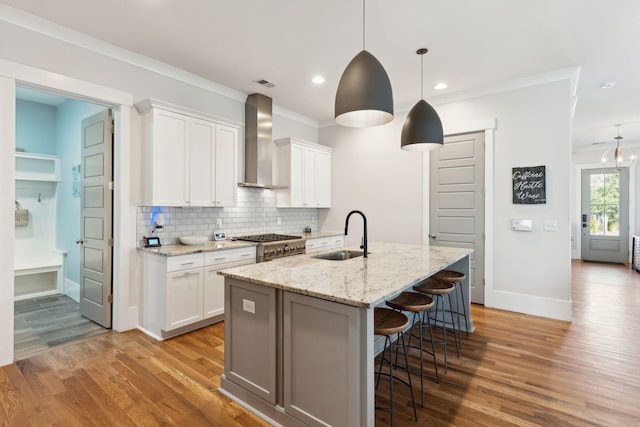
column 515, row 370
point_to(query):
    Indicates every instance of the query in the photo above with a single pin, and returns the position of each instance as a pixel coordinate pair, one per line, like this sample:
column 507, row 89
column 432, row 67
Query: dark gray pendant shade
column 422, row 129
column 364, row 97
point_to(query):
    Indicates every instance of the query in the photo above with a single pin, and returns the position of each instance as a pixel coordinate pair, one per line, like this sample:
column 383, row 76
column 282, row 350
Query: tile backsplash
column 256, row 212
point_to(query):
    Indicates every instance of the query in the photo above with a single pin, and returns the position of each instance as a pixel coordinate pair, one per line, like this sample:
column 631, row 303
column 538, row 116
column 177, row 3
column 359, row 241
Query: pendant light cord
column 364, row 5
column 422, row 77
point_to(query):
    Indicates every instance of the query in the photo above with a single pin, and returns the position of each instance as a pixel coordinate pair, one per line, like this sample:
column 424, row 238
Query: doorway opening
column 49, row 254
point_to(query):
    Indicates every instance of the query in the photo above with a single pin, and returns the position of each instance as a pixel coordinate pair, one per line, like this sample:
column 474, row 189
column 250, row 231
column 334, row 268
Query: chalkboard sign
column 529, row 186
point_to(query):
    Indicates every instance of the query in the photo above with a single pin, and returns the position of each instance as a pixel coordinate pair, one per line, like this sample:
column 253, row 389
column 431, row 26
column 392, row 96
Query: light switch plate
column 550, row 225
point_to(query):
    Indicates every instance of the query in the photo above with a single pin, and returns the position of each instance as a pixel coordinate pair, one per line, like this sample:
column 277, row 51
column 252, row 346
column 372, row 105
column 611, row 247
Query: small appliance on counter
column 307, row 229
column 151, row 242
column 219, row 235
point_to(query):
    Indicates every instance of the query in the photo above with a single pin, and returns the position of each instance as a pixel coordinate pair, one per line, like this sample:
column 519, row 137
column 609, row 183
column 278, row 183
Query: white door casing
column 96, row 221
column 457, row 201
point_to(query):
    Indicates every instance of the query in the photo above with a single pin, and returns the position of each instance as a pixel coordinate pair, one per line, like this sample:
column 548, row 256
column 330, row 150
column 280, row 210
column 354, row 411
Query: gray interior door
column 605, row 215
column 456, row 201
column 96, row 218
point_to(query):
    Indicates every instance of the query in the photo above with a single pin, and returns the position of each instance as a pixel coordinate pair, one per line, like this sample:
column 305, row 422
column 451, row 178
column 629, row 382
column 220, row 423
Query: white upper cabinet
column 187, row 160
column 305, row 170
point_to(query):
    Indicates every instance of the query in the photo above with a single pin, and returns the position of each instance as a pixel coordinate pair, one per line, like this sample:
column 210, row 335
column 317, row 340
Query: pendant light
column 422, row 129
column 364, row 97
column 621, row 156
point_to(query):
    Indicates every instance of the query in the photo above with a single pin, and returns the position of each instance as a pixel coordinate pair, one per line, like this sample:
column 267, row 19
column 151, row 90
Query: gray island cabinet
column 299, row 343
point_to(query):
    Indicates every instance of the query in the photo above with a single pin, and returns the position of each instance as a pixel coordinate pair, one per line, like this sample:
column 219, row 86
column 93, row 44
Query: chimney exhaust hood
column 258, row 143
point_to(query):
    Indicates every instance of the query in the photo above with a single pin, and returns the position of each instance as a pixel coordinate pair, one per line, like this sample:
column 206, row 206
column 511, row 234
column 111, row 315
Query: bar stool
column 387, row 322
column 418, row 304
column 456, row 278
column 439, row 289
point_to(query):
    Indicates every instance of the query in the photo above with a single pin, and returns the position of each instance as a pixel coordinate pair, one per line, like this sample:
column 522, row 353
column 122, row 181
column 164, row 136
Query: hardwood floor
column 515, row 370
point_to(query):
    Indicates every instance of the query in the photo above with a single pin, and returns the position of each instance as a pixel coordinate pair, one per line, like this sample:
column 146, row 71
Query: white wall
column 372, row 174
column 7, row 218
column 531, row 270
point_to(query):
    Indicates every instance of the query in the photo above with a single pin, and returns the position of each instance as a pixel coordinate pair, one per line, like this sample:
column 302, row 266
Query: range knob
column 279, row 250
column 287, row 248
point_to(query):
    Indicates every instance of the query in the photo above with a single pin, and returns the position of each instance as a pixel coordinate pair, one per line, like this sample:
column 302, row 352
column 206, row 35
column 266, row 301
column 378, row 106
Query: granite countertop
column 175, row 250
column 360, row 282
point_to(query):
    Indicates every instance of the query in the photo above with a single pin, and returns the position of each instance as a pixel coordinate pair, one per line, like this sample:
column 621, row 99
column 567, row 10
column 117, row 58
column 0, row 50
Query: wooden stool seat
column 450, row 276
column 411, row 301
column 388, row 322
column 434, row 286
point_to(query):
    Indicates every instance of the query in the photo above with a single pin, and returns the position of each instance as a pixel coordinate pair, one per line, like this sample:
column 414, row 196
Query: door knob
column 79, row 241
column 433, row 236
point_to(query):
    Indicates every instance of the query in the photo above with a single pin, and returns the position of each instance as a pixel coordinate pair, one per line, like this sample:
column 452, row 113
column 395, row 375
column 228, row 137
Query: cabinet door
column 170, row 159
column 184, row 298
column 296, row 184
column 309, row 178
column 201, row 154
column 213, row 292
column 323, row 179
column 226, row 160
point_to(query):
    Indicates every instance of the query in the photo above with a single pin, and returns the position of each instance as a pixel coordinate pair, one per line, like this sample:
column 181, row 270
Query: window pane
column 597, row 189
column 612, row 221
column 596, row 224
column 612, row 188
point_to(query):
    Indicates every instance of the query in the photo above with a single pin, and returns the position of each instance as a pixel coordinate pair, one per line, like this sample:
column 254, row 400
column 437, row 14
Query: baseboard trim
column 72, row 290
column 529, row 304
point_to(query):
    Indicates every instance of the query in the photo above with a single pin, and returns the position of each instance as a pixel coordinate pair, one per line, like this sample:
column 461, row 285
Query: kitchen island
column 299, row 343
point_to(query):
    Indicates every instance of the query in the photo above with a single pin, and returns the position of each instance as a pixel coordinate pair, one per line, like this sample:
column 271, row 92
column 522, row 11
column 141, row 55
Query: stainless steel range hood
column 258, row 143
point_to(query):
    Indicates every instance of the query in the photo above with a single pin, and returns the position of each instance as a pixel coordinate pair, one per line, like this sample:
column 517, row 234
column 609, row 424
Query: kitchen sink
column 341, row 255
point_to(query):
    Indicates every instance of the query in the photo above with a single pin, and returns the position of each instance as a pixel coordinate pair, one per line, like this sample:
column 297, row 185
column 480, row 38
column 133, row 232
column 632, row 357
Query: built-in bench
column 39, row 278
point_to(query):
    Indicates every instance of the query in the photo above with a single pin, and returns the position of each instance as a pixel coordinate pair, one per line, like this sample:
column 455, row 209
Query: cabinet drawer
column 323, row 243
column 184, row 262
column 226, row 256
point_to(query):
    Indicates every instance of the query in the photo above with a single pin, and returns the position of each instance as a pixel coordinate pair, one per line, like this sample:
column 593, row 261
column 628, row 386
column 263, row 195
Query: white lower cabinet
column 324, row 243
column 184, row 295
column 184, row 292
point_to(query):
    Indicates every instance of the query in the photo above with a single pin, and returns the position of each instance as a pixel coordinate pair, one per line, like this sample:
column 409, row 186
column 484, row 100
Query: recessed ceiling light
column 318, row 80
column 440, row 86
column 608, row 84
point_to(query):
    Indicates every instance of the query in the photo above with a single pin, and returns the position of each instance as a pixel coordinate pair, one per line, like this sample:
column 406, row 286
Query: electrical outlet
column 219, row 222
column 249, row 306
column 279, row 221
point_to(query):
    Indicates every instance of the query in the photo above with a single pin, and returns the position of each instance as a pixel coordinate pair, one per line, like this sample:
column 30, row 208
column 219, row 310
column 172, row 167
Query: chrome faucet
column 363, row 246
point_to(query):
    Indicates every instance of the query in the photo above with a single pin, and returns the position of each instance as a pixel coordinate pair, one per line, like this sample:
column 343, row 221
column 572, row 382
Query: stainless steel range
column 272, row 246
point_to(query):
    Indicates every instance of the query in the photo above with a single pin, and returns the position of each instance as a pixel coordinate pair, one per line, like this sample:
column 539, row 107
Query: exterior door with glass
column 605, row 215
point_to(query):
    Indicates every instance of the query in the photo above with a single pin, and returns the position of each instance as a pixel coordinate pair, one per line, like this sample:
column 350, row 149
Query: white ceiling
column 473, row 45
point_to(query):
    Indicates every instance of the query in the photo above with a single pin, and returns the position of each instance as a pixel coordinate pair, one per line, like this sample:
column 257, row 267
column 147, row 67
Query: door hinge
column 110, row 299
column 111, row 127
column 110, row 241
column 111, row 185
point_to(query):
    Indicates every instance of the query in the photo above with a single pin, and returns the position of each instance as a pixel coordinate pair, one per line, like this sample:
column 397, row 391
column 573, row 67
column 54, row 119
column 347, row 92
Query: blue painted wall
column 36, row 127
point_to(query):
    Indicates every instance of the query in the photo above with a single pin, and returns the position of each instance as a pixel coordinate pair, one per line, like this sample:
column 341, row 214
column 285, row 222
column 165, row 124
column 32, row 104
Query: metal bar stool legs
column 418, row 304
column 387, row 323
column 437, row 289
column 457, row 278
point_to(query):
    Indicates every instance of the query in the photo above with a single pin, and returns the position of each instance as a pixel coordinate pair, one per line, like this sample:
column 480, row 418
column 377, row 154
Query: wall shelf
column 37, row 167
